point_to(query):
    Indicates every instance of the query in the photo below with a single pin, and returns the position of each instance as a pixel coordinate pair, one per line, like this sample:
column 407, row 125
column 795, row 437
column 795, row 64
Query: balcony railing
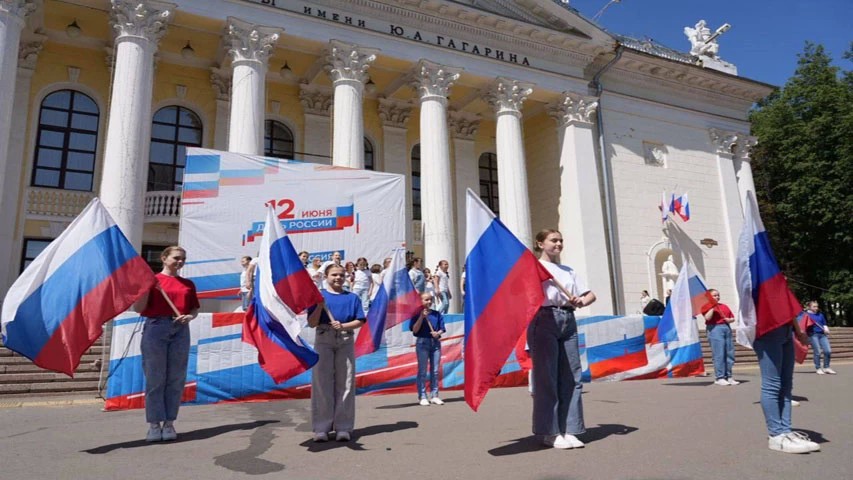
column 162, row 207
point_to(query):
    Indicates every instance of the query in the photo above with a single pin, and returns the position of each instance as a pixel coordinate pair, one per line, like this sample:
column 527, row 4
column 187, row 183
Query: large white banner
column 323, row 209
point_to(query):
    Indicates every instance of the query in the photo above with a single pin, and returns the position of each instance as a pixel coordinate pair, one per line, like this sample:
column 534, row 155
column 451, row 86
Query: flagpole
column 169, row 301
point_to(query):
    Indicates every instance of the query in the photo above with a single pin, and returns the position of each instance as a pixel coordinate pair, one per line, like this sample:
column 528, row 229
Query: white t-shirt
column 567, row 277
column 377, row 279
column 442, row 281
column 362, row 280
column 244, row 280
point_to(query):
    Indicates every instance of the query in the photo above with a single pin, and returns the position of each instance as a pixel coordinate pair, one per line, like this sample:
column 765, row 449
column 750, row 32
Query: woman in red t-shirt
column 166, row 343
column 717, row 320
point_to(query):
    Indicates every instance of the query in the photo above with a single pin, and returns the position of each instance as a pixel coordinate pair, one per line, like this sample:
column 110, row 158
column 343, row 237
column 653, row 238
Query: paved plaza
column 653, row 429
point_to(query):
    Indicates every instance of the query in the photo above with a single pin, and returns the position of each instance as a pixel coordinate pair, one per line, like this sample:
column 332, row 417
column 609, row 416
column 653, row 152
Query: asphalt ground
column 650, row 429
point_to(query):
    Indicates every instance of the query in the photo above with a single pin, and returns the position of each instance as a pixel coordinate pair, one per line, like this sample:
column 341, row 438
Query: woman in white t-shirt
column 315, row 271
column 362, row 283
column 553, row 339
column 441, row 281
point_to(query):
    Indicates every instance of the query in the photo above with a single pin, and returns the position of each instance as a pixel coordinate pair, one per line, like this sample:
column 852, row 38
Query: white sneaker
column 732, row 381
column 722, row 382
column 321, row 437
column 804, row 440
column 557, row 441
column 169, row 433
column 342, row 437
column 437, row 401
column 573, row 441
column 829, row 371
column 155, row 434
column 784, row 443
column 795, row 403
column 819, row 371
column 424, row 402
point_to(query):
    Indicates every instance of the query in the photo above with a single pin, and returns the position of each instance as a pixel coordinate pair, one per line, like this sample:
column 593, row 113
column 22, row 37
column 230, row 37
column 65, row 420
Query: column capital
column 348, row 62
column 724, row 141
column 221, row 83
column 463, row 125
column 507, row 95
column 19, row 9
column 394, row 113
column 28, row 53
column 146, row 19
column 315, row 99
column 743, row 148
column 249, row 42
column 433, row 80
column 573, row 108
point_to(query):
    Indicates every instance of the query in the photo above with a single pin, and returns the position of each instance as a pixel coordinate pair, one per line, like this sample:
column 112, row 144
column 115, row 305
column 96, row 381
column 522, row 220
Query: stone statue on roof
column 701, row 44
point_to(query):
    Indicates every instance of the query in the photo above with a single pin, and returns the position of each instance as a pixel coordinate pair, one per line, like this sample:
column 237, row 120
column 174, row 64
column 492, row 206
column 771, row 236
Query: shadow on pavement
column 414, row 403
column 532, row 443
column 814, row 436
column 201, row 434
column 690, row 384
column 357, row 434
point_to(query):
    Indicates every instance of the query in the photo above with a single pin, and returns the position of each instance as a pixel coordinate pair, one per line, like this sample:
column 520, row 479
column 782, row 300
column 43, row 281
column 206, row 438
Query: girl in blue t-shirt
column 428, row 327
column 333, row 377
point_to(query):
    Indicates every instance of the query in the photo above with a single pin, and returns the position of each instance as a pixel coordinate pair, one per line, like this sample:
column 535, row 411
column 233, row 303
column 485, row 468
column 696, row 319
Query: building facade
column 556, row 123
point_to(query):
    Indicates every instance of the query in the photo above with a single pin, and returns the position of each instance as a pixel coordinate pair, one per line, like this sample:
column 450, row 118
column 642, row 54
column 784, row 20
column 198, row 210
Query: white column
column 250, row 47
column 743, row 166
column 12, row 17
column 316, row 104
column 10, row 180
column 580, row 208
column 394, row 115
column 139, row 25
column 724, row 143
column 347, row 67
column 433, row 82
column 463, row 128
column 221, row 84
column 506, row 97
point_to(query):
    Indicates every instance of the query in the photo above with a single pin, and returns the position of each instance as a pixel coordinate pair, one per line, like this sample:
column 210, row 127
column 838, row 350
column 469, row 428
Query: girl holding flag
column 167, row 310
column 333, row 377
column 553, row 338
column 428, row 327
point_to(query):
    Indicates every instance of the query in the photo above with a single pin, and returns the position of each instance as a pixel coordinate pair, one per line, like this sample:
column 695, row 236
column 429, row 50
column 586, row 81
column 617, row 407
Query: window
column 172, row 131
column 151, row 254
column 278, row 140
column 416, row 182
column 489, row 181
column 66, row 141
column 32, row 248
column 369, row 162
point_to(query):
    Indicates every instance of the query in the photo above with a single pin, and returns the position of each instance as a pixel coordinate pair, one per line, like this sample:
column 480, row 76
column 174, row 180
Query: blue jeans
column 775, row 350
column 820, row 342
column 245, row 300
column 365, row 298
column 557, row 387
column 722, row 350
column 165, row 353
column 443, row 302
column 428, row 351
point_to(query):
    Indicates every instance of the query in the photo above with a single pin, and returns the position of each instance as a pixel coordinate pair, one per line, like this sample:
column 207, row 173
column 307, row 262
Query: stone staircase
column 18, row 376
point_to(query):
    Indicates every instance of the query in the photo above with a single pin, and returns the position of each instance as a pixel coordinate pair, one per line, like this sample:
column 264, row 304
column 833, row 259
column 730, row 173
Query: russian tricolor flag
column 503, row 291
column 766, row 302
column 396, row 301
column 690, row 297
column 55, row 310
column 283, row 288
column 681, row 206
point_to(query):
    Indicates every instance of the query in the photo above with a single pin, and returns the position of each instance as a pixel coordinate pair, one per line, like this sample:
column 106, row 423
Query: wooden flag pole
column 169, row 301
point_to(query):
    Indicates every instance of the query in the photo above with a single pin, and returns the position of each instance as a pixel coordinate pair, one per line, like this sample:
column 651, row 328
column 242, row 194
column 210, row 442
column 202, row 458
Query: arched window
column 67, row 140
column 489, row 181
column 172, row 131
column 369, row 160
column 416, row 182
column 278, row 140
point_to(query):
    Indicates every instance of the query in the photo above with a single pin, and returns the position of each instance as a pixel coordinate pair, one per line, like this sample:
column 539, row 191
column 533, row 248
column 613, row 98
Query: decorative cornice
column 221, row 83
column 573, row 108
column 146, row 19
column 18, row 9
column 507, row 95
column 724, row 141
column 394, row 113
column 348, row 62
column 743, row 147
column 248, row 42
column 432, row 80
column 463, row 125
column 315, row 99
column 28, row 54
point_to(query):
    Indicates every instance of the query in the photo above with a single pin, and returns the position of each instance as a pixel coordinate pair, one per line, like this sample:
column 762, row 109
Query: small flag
column 55, row 310
column 681, row 206
column 690, row 297
column 664, row 208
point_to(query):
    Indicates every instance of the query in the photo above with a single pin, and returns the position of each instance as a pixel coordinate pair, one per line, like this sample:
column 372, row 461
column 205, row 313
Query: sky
column 765, row 37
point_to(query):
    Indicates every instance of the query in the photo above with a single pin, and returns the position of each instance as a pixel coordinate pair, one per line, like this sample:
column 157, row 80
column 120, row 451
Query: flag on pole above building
column 56, row 309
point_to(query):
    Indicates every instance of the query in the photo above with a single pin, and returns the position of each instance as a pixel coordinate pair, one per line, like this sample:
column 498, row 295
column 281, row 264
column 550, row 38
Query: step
column 45, row 377
column 50, row 387
column 32, row 368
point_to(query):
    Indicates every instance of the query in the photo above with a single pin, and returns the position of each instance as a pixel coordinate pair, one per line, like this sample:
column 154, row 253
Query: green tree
column 803, row 166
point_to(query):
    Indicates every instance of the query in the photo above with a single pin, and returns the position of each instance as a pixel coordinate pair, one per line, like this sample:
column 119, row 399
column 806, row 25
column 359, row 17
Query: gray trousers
column 333, row 381
column 553, row 340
